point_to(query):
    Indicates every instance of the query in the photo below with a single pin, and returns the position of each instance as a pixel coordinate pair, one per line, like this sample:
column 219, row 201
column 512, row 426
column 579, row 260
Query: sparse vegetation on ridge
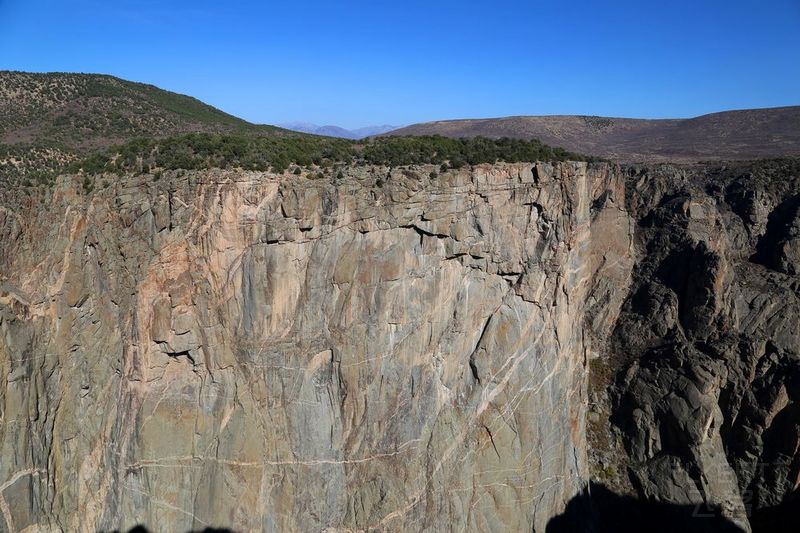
column 434, row 149
column 84, row 111
column 48, row 121
column 203, row 150
column 55, row 123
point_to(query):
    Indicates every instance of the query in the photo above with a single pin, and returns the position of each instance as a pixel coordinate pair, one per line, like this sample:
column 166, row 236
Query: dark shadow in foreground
column 782, row 518
column 607, row 512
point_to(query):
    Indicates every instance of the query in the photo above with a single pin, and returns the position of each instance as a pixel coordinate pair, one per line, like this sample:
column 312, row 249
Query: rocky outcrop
column 391, row 351
column 271, row 352
column 701, row 371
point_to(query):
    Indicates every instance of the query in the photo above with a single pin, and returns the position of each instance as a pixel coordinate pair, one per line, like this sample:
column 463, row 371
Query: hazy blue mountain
column 336, row 131
column 369, row 131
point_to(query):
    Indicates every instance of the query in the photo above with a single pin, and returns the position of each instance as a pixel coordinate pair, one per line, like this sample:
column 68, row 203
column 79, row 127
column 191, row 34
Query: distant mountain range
column 336, row 131
column 64, row 116
column 745, row 134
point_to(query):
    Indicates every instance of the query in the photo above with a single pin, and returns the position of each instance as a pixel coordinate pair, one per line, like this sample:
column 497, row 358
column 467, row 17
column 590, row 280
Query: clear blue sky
column 359, row 62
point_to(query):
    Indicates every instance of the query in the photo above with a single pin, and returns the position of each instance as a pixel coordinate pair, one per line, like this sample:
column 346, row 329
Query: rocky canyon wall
column 383, row 351
column 393, row 350
column 695, row 397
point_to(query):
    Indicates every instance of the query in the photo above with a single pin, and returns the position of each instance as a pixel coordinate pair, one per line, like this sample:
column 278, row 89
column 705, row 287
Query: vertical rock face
column 701, row 371
column 274, row 353
column 389, row 352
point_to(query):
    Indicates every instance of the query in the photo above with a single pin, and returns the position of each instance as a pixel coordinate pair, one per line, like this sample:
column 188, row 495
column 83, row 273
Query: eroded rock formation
column 270, row 352
column 700, row 379
column 388, row 351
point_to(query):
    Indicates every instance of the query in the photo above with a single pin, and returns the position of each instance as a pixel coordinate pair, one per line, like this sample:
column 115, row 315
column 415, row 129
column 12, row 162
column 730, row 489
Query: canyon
column 483, row 348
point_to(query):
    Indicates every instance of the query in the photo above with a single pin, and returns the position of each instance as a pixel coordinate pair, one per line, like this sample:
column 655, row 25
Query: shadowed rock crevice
column 779, row 247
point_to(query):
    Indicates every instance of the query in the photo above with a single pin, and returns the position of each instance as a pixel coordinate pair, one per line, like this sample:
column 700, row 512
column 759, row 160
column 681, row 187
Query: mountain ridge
column 56, row 122
column 85, row 111
column 736, row 134
column 48, row 120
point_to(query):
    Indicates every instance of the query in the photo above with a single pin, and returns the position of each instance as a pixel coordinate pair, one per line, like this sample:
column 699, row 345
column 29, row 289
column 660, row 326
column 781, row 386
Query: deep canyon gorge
column 389, row 350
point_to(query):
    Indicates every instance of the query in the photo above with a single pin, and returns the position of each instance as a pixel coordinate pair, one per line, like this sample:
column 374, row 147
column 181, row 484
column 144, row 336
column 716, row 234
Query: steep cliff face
column 387, row 351
column 699, row 380
column 268, row 352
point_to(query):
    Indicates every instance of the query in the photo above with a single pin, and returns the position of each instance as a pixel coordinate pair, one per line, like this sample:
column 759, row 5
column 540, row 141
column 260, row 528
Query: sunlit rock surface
column 393, row 351
column 254, row 351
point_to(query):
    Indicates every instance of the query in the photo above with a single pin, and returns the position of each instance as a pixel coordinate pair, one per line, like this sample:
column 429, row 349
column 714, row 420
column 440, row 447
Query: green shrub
column 88, row 184
column 457, row 162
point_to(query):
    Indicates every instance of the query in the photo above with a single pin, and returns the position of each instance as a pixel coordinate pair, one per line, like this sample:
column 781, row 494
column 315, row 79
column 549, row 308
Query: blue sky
column 354, row 62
